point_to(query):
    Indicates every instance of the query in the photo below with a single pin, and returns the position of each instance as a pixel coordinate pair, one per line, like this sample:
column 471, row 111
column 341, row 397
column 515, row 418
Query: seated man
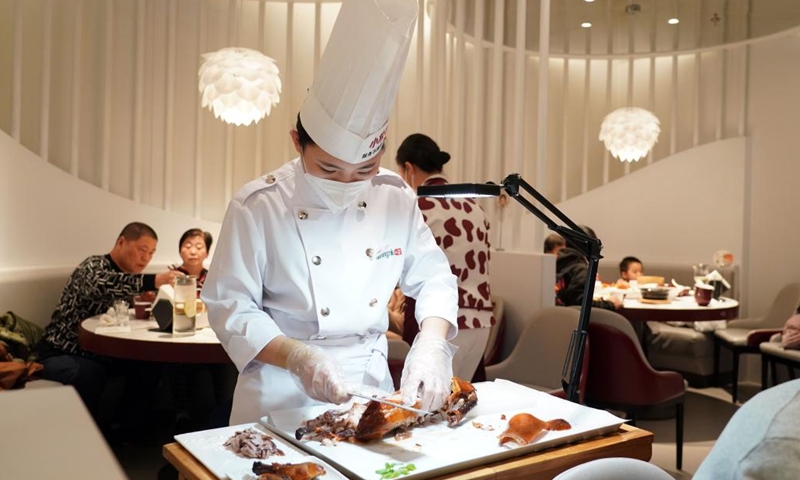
column 91, row 290
column 554, row 243
column 572, row 267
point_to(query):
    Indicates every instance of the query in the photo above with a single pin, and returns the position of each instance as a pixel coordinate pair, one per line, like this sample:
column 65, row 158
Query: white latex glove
column 320, row 376
column 428, row 371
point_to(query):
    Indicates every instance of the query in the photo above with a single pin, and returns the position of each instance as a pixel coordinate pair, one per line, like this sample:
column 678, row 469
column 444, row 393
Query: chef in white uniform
column 309, row 254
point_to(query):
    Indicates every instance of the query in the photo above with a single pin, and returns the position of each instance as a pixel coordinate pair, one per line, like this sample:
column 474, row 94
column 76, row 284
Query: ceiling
column 635, row 26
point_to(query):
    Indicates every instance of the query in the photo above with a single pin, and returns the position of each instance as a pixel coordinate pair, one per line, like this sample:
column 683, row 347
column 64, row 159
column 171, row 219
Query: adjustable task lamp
column 570, row 376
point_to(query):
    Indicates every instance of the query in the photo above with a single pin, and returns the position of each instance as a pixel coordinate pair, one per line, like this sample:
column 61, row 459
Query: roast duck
column 366, row 422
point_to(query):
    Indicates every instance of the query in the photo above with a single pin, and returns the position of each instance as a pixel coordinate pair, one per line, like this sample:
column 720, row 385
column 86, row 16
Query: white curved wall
column 681, row 209
column 49, row 218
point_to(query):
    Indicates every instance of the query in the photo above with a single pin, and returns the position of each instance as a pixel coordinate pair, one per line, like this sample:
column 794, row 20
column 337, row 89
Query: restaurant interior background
column 101, row 123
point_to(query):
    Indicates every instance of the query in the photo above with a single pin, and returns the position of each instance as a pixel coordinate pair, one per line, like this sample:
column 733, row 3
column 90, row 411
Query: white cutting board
column 437, row 449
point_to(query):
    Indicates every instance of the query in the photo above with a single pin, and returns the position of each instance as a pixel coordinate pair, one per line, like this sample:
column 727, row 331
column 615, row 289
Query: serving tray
column 207, row 447
column 437, row 449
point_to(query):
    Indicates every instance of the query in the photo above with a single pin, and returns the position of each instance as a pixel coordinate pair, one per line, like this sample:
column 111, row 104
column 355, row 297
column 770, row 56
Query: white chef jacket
column 286, row 265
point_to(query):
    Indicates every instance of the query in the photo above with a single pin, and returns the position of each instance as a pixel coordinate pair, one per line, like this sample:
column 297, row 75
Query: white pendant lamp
column 239, row 85
column 629, row 133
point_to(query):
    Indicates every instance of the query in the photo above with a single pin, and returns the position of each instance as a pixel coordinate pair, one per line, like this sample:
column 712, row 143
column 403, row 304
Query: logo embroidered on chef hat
column 388, row 252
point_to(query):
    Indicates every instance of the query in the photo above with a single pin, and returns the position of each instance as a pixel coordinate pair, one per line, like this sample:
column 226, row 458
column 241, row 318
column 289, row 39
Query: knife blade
column 387, row 402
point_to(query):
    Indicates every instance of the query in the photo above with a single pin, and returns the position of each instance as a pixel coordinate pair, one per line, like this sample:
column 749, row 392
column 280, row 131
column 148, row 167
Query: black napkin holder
column 719, row 288
column 162, row 312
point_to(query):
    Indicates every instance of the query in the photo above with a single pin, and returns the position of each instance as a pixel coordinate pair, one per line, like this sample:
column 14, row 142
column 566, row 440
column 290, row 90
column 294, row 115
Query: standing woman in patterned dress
column 461, row 230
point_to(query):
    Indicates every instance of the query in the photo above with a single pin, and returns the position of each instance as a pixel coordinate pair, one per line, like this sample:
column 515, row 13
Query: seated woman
column 194, row 247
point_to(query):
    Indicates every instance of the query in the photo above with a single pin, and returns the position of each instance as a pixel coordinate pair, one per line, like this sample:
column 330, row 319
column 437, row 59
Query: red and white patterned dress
column 461, row 229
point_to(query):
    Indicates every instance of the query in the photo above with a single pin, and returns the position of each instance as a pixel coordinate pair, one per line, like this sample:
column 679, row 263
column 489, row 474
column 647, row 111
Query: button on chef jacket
column 286, row 265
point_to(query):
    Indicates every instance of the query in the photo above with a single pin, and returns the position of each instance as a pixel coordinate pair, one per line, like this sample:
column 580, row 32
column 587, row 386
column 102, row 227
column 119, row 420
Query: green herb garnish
column 394, row 470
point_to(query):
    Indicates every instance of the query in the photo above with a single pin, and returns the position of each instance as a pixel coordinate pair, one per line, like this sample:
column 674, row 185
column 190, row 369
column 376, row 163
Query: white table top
column 145, row 343
column 682, row 303
column 141, row 331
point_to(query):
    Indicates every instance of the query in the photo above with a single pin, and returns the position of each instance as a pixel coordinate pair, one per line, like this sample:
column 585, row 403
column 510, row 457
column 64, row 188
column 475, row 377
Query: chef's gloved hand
column 320, row 376
column 428, row 371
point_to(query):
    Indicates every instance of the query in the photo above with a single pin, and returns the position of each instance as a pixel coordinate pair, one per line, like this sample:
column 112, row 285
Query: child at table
column 630, row 268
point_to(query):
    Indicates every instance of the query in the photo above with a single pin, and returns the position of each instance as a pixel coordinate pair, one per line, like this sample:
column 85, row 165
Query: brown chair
column 736, row 337
column 538, row 357
column 620, row 378
column 772, row 353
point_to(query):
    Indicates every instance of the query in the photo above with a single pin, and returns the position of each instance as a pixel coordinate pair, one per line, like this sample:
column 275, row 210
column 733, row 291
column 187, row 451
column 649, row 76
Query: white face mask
column 336, row 195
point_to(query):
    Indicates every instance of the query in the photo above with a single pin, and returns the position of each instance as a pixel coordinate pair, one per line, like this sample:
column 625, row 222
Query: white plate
column 436, row 449
column 207, row 447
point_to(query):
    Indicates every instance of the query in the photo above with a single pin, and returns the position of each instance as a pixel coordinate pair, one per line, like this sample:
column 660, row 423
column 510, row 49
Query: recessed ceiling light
column 589, row 1
column 586, row 24
column 673, row 21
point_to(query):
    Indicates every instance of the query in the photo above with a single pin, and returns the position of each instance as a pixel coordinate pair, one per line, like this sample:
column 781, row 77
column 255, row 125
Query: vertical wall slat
column 651, row 94
column 233, row 20
column 198, row 112
column 459, row 98
column 420, row 64
column 478, row 127
column 258, row 164
column 697, row 98
column 587, row 82
column 16, row 78
column 698, row 62
column 290, row 112
column 629, row 100
column 108, row 83
column 76, row 88
column 544, row 77
column 169, row 108
column 673, row 120
column 564, row 129
column 47, row 35
column 138, row 101
column 496, row 105
column 317, row 34
column 609, row 91
column 520, row 60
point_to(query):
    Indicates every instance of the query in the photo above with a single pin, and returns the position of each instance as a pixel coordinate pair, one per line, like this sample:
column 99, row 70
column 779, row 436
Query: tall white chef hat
column 348, row 106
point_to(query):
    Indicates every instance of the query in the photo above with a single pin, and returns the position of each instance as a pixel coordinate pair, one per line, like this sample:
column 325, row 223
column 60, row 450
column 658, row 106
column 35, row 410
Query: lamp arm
column 591, row 248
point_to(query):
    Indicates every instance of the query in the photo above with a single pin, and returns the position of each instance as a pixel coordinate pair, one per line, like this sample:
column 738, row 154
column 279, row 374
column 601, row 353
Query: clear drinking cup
column 184, row 310
column 121, row 313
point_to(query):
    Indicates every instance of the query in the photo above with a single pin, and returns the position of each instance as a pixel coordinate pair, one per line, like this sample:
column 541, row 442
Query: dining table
column 145, row 342
column 682, row 310
column 679, row 309
column 627, row 441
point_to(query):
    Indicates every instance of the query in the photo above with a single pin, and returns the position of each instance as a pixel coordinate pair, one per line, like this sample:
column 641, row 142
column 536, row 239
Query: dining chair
column 538, row 357
column 743, row 336
column 620, row 377
column 494, row 345
column 615, row 468
column 772, row 353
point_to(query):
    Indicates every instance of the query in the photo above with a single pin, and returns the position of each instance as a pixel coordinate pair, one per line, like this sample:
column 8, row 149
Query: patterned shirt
column 91, row 290
column 461, row 230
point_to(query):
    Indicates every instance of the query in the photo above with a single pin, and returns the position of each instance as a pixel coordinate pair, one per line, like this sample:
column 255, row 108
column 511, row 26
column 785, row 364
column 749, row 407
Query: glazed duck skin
column 288, row 471
column 524, row 428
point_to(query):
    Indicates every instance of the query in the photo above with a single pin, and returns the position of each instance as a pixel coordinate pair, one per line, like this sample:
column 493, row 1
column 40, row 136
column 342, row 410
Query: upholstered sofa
column 682, row 349
column 33, row 294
